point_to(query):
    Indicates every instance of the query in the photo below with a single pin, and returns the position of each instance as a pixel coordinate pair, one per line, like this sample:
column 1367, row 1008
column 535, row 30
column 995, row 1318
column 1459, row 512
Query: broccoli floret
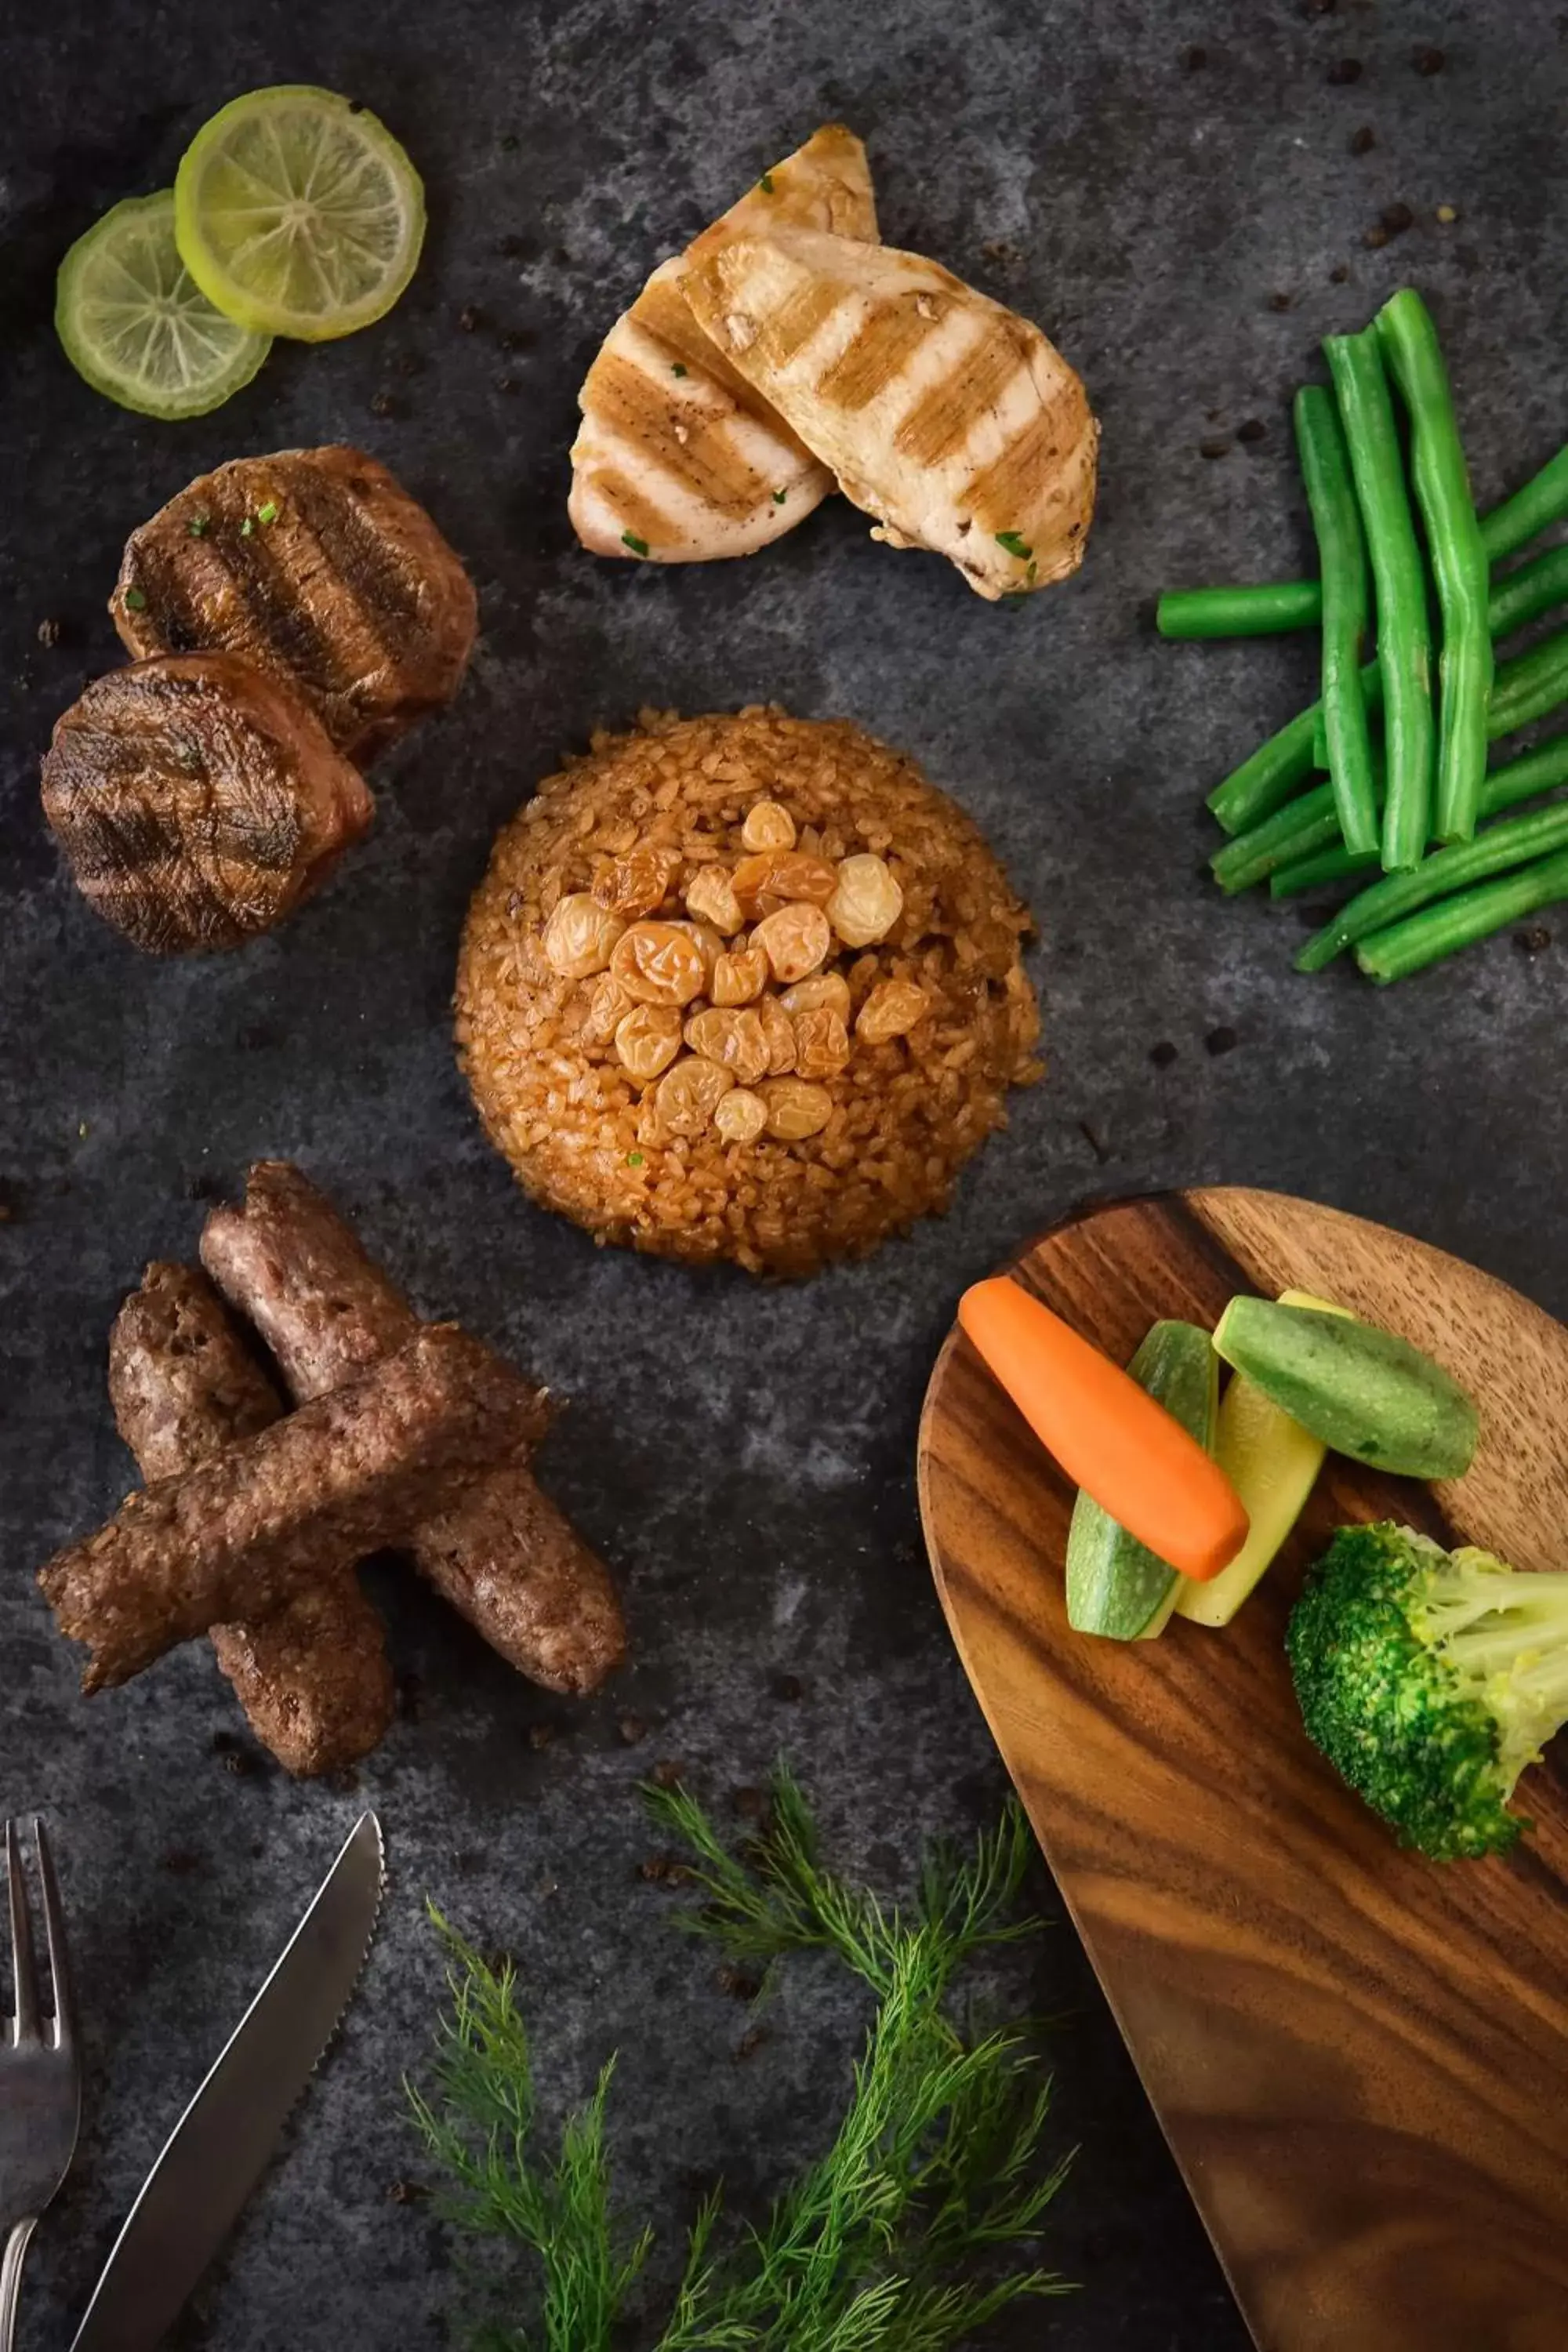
column 1430, row 1680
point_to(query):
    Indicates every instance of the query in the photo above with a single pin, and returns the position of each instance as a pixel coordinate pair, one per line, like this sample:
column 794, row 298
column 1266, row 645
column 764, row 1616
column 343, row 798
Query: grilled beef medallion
column 316, row 564
column 197, row 800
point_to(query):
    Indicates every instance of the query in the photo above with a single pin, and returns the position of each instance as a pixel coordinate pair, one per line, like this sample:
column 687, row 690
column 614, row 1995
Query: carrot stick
column 1109, row 1436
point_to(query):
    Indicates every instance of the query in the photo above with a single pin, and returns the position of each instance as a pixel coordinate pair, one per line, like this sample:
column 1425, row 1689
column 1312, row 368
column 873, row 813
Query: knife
column 221, row 2145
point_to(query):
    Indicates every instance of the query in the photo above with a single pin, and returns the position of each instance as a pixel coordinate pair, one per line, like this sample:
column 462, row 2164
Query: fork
column 40, row 2076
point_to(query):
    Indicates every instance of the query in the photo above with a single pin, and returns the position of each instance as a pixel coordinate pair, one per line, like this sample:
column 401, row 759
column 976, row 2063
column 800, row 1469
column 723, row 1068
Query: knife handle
column 11, row 2280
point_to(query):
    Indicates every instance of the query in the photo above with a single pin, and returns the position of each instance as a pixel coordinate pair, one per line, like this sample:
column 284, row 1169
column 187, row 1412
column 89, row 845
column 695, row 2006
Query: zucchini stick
column 1497, row 847
column 1403, row 639
column 1460, row 922
column 1458, row 555
column 1342, row 551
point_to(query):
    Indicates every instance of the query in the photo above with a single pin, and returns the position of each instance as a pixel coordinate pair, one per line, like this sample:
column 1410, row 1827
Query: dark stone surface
column 1150, row 181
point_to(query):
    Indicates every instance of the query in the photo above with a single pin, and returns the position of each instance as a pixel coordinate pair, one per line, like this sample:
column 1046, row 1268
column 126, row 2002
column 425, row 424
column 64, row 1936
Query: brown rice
column 890, row 1111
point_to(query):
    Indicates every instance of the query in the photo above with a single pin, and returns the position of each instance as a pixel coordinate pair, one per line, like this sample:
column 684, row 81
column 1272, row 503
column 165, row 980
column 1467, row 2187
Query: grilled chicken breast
column 197, row 800
column 951, row 419
column 314, row 564
column 679, row 459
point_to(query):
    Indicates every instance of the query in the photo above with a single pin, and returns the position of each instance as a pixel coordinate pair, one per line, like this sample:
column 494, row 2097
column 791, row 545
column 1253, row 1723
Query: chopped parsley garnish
column 766, row 184
column 268, row 513
column 678, row 369
column 199, row 526
column 638, row 546
column 248, row 527
column 779, row 497
column 633, row 1160
column 1033, row 573
column 135, row 600
column 1015, row 544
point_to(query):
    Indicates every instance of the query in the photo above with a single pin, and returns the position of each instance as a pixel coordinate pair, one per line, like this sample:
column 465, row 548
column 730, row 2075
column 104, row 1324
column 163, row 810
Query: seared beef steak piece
column 316, row 565
column 197, row 801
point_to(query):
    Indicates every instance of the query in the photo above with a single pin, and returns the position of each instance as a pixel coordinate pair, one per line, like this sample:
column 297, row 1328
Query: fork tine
column 55, row 1937
column 24, row 1973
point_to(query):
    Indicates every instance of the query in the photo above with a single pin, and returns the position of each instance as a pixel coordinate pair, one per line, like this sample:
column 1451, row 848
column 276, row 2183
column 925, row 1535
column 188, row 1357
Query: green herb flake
column 678, row 369
column 766, row 184
column 248, row 527
column 638, row 546
column 198, row 526
column 779, row 497
column 1015, row 544
column 633, row 1160
column 268, row 513
column 135, row 600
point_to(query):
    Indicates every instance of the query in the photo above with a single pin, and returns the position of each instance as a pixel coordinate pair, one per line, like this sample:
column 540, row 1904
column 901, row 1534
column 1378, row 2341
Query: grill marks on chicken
column 316, row 565
column 679, row 459
column 197, row 801
column 951, row 419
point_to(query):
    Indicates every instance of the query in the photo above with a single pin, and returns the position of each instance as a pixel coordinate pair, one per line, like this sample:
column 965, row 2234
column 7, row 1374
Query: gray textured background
column 743, row 1456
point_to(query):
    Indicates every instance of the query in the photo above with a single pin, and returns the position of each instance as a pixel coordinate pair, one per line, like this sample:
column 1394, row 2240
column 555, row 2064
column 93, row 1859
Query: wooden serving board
column 1359, row 2058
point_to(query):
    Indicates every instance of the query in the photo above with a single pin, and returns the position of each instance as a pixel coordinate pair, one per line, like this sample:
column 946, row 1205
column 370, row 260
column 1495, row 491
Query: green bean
column 1264, row 608
column 1335, row 864
column 1342, row 550
column 1530, row 686
column 1298, row 831
column 1512, row 842
column 1403, row 640
column 1460, row 922
column 1521, row 596
column 1543, row 500
column 1272, row 607
column 1266, row 780
column 1408, row 340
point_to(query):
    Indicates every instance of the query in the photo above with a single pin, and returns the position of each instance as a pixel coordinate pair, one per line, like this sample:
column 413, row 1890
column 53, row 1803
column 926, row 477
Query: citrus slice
column 298, row 214
column 135, row 324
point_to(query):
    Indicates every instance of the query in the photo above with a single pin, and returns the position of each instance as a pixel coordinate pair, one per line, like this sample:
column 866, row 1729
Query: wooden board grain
column 1359, row 2058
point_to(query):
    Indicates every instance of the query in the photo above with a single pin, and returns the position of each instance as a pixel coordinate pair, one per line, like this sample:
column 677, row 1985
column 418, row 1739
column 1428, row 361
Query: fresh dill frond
column 896, row 2239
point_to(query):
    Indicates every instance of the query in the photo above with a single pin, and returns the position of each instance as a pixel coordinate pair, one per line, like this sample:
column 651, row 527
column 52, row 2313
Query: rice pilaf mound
column 743, row 987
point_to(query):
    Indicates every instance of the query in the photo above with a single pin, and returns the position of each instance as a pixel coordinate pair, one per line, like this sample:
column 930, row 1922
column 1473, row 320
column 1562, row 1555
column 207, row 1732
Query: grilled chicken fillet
column 197, row 800
column 314, row 564
column 678, row 459
column 951, row 419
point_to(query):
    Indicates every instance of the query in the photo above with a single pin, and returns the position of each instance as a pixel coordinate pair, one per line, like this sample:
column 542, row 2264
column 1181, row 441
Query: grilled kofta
column 315, row 564
column 197, row 800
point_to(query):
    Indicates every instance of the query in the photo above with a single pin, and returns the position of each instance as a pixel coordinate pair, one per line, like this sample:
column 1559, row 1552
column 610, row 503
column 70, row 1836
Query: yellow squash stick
column 1273, row 1463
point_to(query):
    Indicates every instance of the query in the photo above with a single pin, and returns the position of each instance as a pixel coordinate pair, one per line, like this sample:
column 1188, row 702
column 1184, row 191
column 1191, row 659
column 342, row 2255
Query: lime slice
column 137, row 327
column 298, row 214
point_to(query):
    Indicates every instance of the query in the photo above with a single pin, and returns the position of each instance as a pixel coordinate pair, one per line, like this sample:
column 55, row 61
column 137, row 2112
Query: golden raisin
column 769, row 825
column 706, row 942
column 784, row 874
column 794, row 1109
column 827, row 990
column 891, row 1010
column 689, row 1094
column 796, row 941
column 740, row 977
column 581, row 937
column 659, row 963
column 711, row 896
column 741, row 1116
column 648, row 1039
column 607, row 1005
column 821, row 1043
column 638, row 883
column 867, row 902
column 779, row 1031
column 737, row 1041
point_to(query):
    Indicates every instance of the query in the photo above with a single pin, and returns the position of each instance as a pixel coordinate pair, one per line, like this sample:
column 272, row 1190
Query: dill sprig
column 893, row 2240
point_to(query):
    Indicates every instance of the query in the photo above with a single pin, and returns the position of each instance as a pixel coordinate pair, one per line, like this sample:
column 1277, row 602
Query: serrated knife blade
column 222, row 2143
